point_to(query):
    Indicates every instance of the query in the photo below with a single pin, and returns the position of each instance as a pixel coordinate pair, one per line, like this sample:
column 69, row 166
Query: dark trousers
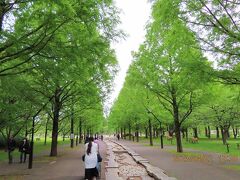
column 23, row 156
column 10, row 157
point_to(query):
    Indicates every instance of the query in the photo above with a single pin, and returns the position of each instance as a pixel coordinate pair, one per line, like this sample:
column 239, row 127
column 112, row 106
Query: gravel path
column 128, row 169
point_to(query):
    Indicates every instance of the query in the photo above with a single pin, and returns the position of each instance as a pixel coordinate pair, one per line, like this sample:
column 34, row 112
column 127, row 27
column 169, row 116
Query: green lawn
column 233, row 167
column 204, row 144
column 38, row 148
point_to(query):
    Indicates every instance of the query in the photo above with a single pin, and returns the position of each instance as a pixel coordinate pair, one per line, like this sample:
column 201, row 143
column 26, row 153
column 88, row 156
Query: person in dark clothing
column 11, row 146
column 24, row 150
column 118, row 136
column 86, row 140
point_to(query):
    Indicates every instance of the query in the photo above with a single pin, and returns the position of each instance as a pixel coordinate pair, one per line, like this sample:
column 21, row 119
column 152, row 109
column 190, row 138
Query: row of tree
column 185, row 74
column 56, row 66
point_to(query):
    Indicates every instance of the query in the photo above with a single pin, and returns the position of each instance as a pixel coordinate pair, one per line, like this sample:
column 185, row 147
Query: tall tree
column 215, row 24
column 170, row 64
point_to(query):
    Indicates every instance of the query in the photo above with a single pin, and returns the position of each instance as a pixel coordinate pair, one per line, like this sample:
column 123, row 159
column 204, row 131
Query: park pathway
column 205, row 166
column 67, row 166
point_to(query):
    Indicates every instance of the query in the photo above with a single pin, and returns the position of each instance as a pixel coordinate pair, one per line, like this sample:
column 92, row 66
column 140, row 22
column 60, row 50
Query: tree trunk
column 46, row 129
column 72, row 130
column 121, row 132
column 235, row 131
column 217, row 132
column 206, row 132
column 80, row 131
column 57, row 107
column 176, row 122
column 209, row 132
column 124, row 132
column 195, row 132
column 137, row 135
column 146, row 132
column 129, row 131
column 224, row 135
column 178, row 136
column 150, row 131
column 54, row 136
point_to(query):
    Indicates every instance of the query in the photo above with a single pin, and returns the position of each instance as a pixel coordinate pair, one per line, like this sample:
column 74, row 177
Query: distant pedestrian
column 91, row 159
column 102, row 137
column 24, row 149
column 11, row 146
column 118, row 136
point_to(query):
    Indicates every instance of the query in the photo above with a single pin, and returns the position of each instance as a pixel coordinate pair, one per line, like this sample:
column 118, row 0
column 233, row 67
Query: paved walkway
column 67, row 166
column 200, row 167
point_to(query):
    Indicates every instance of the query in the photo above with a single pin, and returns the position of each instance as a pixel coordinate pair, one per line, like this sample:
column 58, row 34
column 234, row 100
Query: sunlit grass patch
column 183, row 153
column 233, row 167
column 204, row 144
column 45, row 159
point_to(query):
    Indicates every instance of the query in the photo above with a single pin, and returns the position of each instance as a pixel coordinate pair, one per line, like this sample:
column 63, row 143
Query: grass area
column 38, row 148
column 190, row 157
column 233, row 167
column 204, row 144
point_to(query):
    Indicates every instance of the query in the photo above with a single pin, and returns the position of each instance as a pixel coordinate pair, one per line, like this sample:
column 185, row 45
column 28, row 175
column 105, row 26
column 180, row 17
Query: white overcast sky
column 134, row 16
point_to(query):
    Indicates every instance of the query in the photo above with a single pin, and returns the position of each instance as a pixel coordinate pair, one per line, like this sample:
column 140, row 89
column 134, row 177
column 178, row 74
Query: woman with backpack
column 91, row 159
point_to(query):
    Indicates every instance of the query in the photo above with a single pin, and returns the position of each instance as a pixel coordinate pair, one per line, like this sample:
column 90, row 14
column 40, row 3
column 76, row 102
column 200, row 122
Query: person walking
column 11, row 146
column 24, row 150
column 91, row 159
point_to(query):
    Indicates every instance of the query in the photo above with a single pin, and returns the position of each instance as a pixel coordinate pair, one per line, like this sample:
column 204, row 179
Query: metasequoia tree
column 172, row 67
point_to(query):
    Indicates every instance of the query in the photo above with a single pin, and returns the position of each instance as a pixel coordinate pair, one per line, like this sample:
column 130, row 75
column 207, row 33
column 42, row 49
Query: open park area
column 120, row 89
column 123, row 159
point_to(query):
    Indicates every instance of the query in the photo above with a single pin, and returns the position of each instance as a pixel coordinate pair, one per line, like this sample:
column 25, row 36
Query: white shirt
column 91, row 159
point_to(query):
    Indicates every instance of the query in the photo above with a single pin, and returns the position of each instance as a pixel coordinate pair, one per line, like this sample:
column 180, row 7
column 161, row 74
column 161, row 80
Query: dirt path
column 68, row 166
column 187, row 168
